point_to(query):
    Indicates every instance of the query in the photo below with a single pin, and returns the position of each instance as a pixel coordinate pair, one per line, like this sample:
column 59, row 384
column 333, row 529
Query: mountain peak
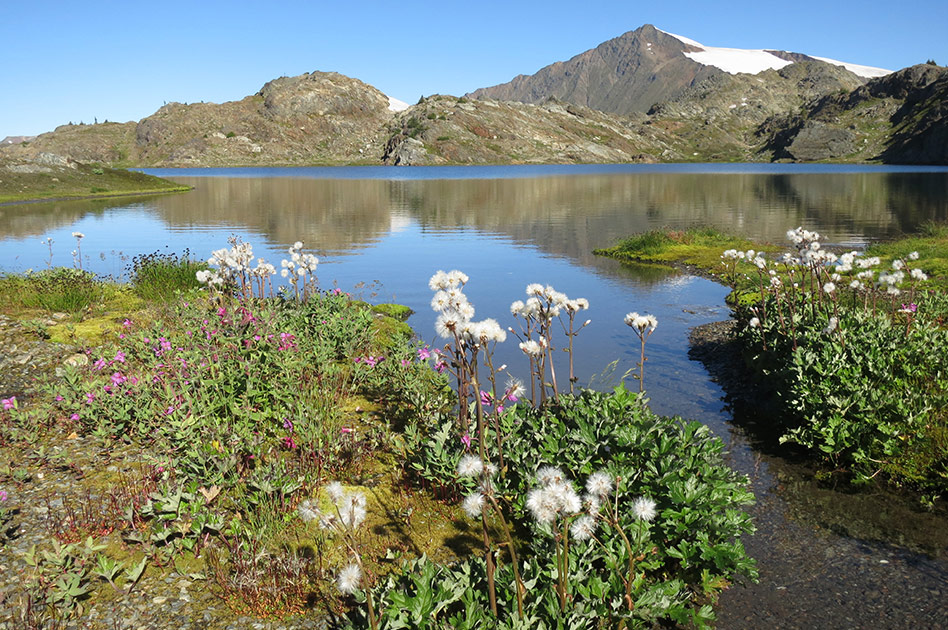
column 640, row 68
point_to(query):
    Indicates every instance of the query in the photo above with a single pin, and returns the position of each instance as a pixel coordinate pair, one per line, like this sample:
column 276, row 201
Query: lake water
column 382, row 232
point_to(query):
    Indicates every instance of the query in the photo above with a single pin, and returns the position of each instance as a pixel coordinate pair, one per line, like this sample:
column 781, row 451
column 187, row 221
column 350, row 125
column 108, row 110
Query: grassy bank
column 304, row 454
column 79, row 181
column 851, row 347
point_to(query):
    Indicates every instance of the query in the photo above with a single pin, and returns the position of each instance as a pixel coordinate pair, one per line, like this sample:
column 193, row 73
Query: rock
column 409, row 151
column 76, row 360
column 818, row 141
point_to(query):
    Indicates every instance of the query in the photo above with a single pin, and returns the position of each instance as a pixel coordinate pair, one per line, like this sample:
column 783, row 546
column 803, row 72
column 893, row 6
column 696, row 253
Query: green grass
column 159, row 276
column 83, row 181
column 59, row 290
column 700, row 247
column 931, row 243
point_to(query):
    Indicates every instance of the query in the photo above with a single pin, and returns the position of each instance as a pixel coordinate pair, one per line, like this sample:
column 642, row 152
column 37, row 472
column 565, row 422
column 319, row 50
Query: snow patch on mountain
column 740, row 60
column 396, row 105
column 863, row 71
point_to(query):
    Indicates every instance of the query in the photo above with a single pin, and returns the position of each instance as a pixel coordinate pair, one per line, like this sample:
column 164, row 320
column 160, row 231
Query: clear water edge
column 506, row 227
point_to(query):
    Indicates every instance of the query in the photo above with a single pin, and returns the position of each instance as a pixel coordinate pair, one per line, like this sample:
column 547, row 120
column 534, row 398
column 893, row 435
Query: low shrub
column 158, row 276
column 659, row 548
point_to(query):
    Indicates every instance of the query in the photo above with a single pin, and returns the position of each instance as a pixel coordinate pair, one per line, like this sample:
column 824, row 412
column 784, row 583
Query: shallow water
column 382, row 232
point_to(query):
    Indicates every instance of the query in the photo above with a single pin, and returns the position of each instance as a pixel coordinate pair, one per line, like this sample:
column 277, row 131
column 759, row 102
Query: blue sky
column 77, row 61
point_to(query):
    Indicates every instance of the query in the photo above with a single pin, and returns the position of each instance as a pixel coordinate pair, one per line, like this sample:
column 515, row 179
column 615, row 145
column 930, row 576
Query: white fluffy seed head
column 644, row 509
column 583, row 527
column 473, row 504
column 470, row 466
column 348, row 579
column 599, row 484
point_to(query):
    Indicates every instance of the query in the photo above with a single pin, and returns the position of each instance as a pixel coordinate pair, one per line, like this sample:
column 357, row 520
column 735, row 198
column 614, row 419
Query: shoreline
column 134, row 193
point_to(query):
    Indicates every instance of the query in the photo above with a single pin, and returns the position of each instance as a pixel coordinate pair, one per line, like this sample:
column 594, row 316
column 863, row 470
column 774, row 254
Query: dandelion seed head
column 644, row 509
column 583, row 527
column 599, row 484
column 470, row 466
column 550, row 474
column 348, row 579
column 473, row 504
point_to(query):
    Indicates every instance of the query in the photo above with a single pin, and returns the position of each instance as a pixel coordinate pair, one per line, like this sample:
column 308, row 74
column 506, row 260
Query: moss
column 699, row 247
column 399, row 312
column 400, row 521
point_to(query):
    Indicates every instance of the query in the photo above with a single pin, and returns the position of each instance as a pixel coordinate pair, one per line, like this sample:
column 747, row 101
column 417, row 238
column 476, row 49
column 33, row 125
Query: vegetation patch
column 850, row 346
column 81, row 181
column 304, row 455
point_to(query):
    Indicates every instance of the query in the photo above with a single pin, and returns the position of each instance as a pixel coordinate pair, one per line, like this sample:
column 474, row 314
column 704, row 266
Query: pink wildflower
column 119, row 357
column 466, row 441
column 118, row 378
column 74, row 416
column 9, row 403
column 423, row 353
column 98, row 365
column 127, row 323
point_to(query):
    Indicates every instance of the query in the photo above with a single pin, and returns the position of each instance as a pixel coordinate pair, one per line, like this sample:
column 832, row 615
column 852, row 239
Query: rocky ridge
column 805, row 111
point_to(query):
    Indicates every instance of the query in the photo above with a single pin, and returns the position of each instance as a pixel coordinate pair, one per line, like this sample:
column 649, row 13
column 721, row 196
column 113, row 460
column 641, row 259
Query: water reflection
column 564, row 215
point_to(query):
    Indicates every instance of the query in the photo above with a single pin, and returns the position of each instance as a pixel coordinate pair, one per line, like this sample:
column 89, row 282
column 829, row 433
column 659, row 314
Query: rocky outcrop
column 901, row 118
column 450, row 130
column 819, row 141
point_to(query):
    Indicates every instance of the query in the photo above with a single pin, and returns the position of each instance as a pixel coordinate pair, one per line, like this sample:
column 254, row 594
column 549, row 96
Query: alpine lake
column 829, row 557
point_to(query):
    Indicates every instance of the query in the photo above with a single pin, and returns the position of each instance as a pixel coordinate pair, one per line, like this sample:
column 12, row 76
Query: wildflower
column 119, row 357
column 583, row 527
column 549, row 475
column 470, row 466
column 829, row 287
column 913, row 256
column 9, row 403
column 644, row 509
column 909, row 308
column 3, row 495
column 335, row 491
column 473, row 504
column 74, row 417
column 514, row 390
column 118, row 378
column 898, row 265
column 466, row 441
column 348, row 579
column 641, row 323
column 855, row 285
column 540, row 506
column 423, row 353
column 599, row 484
column 352, row 512
column 831, row 326
column 918, row 274
column 531, row 348
column 78, row 235
column 754, row 322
